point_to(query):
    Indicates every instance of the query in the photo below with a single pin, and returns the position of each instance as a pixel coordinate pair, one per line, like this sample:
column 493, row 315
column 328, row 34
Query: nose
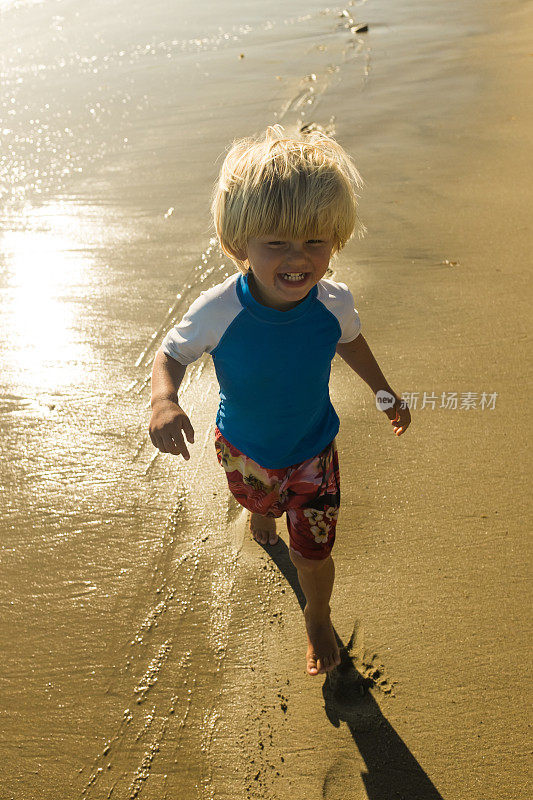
column 296, row 253
column 297, row 247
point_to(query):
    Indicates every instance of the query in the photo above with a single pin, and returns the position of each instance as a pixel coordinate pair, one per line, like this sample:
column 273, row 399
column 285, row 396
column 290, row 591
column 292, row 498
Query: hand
column 399, row 416
column 167, row 425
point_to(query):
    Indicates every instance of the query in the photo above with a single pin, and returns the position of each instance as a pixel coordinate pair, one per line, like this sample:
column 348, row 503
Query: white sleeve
column 339, row 301
column 204, row 324
column 349, row 318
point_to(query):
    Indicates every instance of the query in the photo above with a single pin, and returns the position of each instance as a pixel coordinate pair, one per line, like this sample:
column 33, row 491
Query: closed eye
column 280, row 243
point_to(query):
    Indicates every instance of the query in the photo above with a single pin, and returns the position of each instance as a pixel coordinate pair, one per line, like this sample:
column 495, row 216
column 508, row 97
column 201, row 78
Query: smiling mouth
column 293, row 277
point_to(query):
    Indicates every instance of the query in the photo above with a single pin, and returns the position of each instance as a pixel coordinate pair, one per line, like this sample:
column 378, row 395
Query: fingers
column 169, row 438
column 168, row 445
column 176, row 445
column 401, row 421
column 175, row 448
column 398, row 413
column 188, row 430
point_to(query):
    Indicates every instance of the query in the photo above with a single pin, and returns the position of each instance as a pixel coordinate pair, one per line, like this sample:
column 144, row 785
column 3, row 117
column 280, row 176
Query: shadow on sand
column 393, row 773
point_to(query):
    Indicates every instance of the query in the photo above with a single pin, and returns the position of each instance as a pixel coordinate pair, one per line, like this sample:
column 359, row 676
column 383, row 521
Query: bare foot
column 263, row 529
column 322, row 651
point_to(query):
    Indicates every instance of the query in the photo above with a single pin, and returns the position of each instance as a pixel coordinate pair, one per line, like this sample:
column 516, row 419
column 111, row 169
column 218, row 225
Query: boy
column 283, row 206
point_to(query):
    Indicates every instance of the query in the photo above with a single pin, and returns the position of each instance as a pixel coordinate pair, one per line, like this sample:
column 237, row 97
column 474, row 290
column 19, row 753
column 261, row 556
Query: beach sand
column 151, row 648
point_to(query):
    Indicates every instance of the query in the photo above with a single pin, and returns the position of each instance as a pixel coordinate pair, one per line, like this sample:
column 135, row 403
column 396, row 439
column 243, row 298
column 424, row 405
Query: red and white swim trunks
column 309, row 493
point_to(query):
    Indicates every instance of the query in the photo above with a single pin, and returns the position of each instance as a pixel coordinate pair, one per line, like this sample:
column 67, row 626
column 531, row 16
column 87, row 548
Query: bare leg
column 316, row 579
column 263, row 529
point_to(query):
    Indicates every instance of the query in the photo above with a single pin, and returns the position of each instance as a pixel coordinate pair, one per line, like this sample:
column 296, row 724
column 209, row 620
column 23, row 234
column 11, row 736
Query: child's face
column 284, row 271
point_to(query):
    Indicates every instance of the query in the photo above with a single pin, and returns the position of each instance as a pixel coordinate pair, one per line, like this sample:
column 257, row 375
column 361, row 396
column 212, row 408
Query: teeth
column 293, row 276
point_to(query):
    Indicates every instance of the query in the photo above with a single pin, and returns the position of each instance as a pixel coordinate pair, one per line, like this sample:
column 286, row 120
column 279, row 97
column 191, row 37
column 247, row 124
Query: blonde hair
column 295, row 186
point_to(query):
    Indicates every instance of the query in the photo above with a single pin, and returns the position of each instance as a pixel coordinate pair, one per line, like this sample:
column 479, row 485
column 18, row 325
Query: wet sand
column 151, row 648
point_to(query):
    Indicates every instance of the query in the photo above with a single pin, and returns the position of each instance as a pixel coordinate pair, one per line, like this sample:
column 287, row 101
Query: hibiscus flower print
column 313, row 514
column 320, row 532
column 331, row 513
column 319, row 528
column 229, row 462
column 255, row 477
column 255, row 483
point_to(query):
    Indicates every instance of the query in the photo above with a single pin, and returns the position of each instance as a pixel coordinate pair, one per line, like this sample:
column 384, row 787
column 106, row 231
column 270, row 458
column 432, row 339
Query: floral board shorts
column 309, row 493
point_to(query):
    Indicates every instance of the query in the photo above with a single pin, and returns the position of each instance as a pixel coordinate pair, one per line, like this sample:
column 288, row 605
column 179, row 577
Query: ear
column 240, row 257
column 237, row 255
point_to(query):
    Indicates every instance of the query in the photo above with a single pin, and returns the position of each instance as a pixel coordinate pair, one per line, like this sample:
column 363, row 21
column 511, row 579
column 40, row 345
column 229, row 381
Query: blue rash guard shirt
column 273, row 367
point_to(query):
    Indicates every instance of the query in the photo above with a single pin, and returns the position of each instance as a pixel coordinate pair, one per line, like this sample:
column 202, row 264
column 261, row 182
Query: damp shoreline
column 153, row 648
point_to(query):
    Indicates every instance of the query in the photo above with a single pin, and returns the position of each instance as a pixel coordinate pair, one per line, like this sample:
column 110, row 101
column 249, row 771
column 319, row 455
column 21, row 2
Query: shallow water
column 113, row 117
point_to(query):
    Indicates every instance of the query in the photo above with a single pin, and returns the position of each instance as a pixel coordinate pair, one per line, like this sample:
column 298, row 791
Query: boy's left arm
column 360, row 358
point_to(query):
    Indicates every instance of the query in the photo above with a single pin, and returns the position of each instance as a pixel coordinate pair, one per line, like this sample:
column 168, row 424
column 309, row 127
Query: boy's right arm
column 169, row 421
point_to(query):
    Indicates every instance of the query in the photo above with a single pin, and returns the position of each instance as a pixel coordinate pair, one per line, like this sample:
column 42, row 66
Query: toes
column 312, row 662
column 312, row 668
column 322, row 665
column 333, row 662
column 263, row 533
column 320, row 669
